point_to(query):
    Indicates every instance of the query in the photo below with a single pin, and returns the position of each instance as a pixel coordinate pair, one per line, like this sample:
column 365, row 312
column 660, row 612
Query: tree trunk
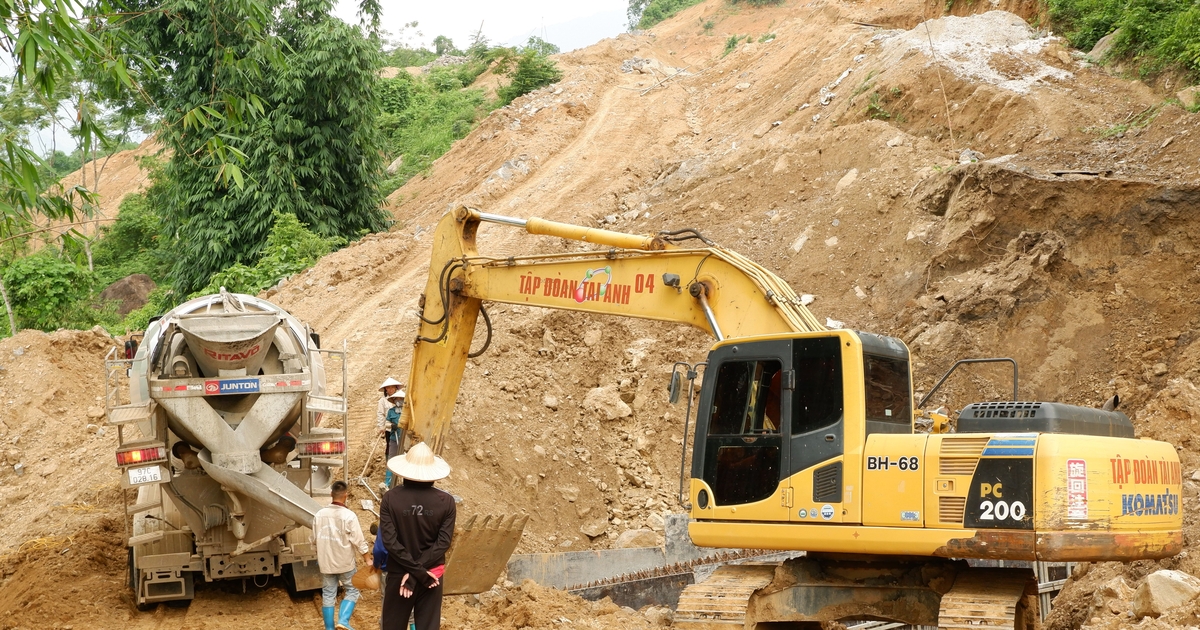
column 12, row 321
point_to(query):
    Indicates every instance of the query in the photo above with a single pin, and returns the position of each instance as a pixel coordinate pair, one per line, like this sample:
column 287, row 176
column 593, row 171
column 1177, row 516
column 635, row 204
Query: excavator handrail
column 926, row 397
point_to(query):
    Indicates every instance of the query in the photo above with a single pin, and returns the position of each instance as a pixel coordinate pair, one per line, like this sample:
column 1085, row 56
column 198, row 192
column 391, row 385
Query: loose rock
column 1163, row 590
column 634, row 538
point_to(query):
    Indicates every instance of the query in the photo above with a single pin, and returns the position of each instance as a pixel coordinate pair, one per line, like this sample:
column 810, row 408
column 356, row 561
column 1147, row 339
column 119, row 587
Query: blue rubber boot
column 327, row 613
column 387, row 479
column 344, row 613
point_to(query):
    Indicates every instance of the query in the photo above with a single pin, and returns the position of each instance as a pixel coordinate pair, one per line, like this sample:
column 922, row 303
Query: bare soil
column 826, row 147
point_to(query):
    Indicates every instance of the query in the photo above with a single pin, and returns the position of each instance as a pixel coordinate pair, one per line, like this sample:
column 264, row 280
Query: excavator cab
column 781, row 418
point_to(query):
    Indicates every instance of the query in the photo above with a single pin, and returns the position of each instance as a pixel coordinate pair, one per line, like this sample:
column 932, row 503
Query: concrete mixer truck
column 228, row 437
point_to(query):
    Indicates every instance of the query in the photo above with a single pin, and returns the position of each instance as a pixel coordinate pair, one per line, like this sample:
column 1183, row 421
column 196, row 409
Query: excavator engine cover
column 1042, row 417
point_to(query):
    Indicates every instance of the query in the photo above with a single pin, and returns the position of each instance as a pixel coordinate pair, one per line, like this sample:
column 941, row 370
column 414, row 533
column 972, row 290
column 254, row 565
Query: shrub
column 531, row 72
column 646, row 13
column 160, row 301
column 290, row 248
column 732, row 42
column 1156, row 33
column 445, row 79
column 426, row 127
column 45, row 290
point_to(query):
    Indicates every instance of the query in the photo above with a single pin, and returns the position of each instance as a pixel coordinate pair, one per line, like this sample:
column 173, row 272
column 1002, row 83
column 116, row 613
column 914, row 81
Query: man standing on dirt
column 394, row 432
column 338, row 535
column 390, row 387
column 416, row 522
column 387, row 388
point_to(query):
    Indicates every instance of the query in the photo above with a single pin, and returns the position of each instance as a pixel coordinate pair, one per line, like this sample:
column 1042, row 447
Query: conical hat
column 366, row 578
column 390, row 382
column 419, row 464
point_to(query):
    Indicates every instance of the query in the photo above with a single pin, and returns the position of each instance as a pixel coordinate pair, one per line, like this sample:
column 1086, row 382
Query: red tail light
column 142, row 456
column 331, row 447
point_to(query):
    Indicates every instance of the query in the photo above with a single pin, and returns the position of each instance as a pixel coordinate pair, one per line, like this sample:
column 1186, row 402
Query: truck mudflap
column 480, row 552
column 305, row 576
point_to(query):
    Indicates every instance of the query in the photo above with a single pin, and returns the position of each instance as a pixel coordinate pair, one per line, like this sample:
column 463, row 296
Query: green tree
column 443, row 45
column 540, row 46
column 313, row 150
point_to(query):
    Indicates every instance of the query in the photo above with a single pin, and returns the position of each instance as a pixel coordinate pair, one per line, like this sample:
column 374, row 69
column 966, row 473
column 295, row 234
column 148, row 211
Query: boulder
column 634, row 538
column 1103, row 47
column 658, row 616
column 607, row 401
column 130, row 292
column 1112, row 597
column 1190, row 97
column 594, row 527
column 1163, row 590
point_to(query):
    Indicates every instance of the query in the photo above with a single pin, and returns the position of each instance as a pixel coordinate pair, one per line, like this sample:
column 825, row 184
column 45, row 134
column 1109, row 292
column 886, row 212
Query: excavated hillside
column 968, row 184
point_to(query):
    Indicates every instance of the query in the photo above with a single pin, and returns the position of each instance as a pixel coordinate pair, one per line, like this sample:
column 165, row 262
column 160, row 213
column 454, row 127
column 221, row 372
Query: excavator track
column 987, row 598
column 720, row 602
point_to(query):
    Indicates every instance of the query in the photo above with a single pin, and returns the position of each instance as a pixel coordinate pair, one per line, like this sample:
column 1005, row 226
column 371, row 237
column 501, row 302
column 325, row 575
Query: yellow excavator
column 808, row 439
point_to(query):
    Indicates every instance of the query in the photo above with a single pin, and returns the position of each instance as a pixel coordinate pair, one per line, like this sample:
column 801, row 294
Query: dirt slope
column 112, row 178
column 828, row 153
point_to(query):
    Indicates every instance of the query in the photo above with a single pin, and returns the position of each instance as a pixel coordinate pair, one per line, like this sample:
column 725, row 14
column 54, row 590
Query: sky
column 566, row 24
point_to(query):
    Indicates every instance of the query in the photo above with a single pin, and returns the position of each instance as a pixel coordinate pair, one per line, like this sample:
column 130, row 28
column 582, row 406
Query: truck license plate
column 149, row 474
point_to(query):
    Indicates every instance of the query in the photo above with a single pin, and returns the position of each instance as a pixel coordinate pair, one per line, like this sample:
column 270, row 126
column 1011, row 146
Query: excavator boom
column 649, row 277
column 710, row 288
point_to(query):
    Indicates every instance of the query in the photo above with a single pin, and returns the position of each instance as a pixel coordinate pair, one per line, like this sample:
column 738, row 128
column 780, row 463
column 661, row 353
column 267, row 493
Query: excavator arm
column 648, row 277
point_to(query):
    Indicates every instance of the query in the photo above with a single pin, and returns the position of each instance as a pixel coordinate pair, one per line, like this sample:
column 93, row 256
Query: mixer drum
column 233, row 344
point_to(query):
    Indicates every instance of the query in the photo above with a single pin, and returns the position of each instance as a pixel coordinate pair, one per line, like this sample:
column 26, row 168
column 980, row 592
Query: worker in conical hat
column 393, row 431
column 387, row 388
column 416, row 522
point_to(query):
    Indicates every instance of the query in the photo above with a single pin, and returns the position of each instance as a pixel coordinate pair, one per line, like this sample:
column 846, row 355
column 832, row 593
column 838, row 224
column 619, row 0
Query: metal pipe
column 497, row 218
column 545, row 227
column 692, row 373
column 708, row 314
column 593, row 235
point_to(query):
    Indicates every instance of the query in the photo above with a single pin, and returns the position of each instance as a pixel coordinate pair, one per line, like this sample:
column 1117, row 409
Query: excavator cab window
column 888, row 395
column 817, row 403
column 742, row 458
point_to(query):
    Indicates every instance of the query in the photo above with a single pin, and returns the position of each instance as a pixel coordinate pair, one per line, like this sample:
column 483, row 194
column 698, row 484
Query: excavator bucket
column 480, row 552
